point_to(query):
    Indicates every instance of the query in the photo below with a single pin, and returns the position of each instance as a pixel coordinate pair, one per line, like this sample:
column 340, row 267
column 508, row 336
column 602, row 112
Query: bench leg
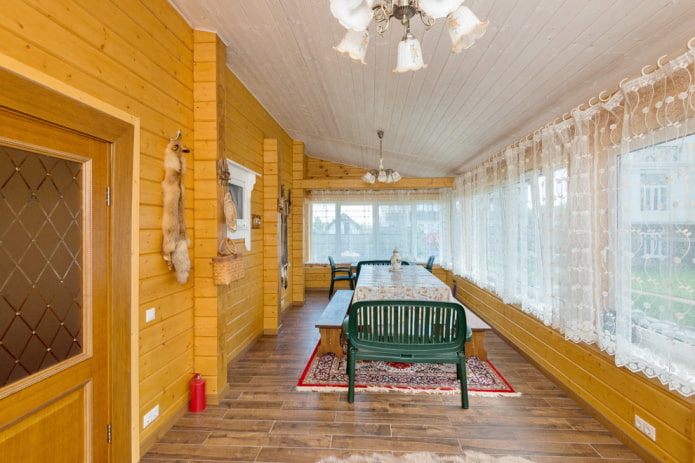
column 330, row 342
column 461, row 371
column 476, row 346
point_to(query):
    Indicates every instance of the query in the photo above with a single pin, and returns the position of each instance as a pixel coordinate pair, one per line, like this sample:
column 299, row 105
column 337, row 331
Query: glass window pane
column 41, row 242
column 353, row 230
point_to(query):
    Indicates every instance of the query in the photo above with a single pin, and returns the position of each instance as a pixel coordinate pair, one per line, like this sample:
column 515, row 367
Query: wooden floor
column 263, row 419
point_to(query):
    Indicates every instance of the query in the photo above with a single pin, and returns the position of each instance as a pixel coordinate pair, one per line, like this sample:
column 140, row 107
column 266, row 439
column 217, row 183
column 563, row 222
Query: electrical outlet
column 646, row 428
column 150, row 314
column 150, row 416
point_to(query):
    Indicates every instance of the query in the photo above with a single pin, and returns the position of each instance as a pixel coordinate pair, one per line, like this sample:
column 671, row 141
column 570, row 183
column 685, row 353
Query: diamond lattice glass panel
column 41, row 243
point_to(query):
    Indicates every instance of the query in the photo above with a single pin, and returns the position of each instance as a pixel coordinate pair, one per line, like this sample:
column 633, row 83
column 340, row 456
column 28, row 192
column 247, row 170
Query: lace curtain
column 588, row 224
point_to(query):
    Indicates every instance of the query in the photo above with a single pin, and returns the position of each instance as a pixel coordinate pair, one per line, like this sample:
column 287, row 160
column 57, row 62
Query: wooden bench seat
column 330, row 323
column 476, row 346
column 409, row 331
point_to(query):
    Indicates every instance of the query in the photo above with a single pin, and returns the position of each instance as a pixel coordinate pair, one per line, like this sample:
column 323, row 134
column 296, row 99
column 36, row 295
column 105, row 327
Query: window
column 657, row 303
column 653, row 245
column 355, row 227
column 240, row 185
column 653, row 192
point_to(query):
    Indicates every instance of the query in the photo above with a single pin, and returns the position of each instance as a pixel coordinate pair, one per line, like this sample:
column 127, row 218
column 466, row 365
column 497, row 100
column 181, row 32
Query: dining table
column 416, row 282
column 409, row 282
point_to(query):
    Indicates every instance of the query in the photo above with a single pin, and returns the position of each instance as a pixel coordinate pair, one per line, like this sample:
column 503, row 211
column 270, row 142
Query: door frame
column 31, row 92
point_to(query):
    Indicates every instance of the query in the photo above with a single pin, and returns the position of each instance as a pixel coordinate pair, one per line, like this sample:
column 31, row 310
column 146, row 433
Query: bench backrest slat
column 408, row 324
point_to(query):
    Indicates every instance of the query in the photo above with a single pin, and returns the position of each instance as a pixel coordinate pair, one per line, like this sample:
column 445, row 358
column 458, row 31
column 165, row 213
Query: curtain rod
column 602, row 97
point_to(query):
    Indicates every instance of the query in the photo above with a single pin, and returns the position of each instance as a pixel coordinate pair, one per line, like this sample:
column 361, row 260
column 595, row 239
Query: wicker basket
column 228, row 266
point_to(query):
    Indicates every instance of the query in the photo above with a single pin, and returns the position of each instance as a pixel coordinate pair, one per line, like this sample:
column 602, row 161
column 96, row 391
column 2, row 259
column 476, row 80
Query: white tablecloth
column 411, row 282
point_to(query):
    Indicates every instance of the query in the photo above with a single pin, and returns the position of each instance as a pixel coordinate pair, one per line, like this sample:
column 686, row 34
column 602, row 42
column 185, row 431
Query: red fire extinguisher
column 197, row 402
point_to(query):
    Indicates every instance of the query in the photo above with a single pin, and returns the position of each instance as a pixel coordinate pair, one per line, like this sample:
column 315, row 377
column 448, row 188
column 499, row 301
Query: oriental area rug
column 327, row 374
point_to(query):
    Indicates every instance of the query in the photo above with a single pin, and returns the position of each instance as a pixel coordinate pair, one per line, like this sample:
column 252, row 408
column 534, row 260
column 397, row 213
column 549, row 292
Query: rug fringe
column 493, row 394
column 406, row 390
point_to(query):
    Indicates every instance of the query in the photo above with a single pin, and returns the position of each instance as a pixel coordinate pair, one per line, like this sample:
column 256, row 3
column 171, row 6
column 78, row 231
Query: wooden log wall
column 209, row 53
column 137, row 57
column 297, row 230
column 249, row 128
column 271, row 251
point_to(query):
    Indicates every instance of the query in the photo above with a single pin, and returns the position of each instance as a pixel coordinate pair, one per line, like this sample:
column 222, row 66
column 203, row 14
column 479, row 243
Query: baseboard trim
column 216, row 399
column 164, row 427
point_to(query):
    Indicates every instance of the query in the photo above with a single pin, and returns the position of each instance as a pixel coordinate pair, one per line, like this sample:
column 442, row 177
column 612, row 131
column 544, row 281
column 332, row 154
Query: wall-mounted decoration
column 284, row 203
column 222, row 172
column 256, row 221
column 240, row 184
column 230, row 212
column 175, row 240
column 228, row 265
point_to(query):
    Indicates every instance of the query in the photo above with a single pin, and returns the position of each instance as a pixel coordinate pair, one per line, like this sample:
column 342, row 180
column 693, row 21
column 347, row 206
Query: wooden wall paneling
column 614, row 395
column 320, row 169
column 271, row 280
column 297, row 230
column 322, row 175
column 152, row 361
column 358, row 184
column 143, row 64
column 285, row 169
column 243, row 144
column 207, row 347
column 317, row 276
column 124, row 47
column 104, row 56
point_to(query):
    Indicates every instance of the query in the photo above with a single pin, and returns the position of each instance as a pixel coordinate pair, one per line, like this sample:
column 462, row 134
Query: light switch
column 149, row 314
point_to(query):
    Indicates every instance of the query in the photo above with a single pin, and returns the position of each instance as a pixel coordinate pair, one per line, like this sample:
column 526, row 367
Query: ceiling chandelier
column 382, row 175
column 355, row 15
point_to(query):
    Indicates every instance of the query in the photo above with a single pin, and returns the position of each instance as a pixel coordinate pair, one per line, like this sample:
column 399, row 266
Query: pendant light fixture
column 355, row 15
column 381, row 175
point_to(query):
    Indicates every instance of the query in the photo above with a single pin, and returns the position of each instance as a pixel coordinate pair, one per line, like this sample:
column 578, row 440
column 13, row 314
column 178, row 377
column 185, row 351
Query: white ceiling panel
column 537, row 61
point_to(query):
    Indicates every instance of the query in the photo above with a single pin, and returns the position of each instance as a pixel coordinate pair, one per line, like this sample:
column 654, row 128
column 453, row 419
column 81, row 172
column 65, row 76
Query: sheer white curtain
column 353, row 225
column 588, row 224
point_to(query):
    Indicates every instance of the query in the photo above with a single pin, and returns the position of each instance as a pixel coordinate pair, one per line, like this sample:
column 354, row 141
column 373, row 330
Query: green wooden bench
column 409, row 331
column 330, row 323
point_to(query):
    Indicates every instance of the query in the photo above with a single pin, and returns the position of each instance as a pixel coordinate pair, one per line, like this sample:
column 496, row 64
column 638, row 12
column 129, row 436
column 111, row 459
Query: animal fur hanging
column 175, row 240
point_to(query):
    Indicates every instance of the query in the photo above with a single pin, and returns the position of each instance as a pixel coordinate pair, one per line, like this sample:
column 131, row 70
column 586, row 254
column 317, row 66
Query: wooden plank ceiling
column 538, row 60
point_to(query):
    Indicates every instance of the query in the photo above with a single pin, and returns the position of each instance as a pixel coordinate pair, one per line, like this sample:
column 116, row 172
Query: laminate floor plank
column 263, row 419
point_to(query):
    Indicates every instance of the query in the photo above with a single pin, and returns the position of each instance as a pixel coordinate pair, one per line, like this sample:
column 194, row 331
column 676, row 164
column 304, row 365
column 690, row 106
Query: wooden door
column 54, row 261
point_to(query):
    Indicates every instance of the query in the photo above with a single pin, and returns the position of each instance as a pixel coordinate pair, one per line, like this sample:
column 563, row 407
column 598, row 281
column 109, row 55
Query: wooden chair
column 409, row 331
column 340, row 273
column 430, row 263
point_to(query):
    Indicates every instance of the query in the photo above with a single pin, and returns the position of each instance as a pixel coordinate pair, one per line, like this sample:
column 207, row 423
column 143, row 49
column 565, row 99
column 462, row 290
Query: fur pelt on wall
column 175, row 241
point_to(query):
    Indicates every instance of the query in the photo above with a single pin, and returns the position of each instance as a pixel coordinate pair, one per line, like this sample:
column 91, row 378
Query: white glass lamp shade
column 439, row 8
column 370, row 176
column 354, row 45
column 409, row 55
column 382, row 176
column 354, row 15
column 392, row 176
column 464, row 28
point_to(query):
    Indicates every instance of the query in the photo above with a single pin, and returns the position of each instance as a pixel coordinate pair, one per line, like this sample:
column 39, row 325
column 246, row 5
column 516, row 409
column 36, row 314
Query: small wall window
column 240, row 185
